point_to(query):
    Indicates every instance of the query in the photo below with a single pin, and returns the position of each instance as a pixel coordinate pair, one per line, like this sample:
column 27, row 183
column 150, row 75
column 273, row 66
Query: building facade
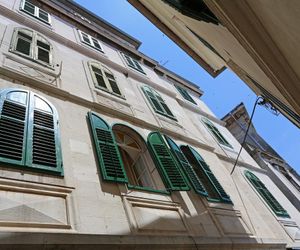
column 257, row 40
column 100, row 146
column 281, row 173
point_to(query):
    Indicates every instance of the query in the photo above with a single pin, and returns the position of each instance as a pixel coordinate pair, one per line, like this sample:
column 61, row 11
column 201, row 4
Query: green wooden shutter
column 187, row 168
column 211, row 177
column 215, row 131
column 174, row 178
column 152, row 100
column 13, row 124
column 185, row 94
column 109, row 158
column 266, row 195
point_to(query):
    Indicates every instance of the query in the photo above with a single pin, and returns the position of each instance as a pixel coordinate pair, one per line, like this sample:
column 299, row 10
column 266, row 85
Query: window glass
column 41, row 104
column 139, row 167
column 17, row 96
column 32, row 45
column 35, row 11
column 30, row 8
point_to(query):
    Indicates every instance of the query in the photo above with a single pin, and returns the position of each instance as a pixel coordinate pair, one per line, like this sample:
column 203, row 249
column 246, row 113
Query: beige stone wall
column 81, row 203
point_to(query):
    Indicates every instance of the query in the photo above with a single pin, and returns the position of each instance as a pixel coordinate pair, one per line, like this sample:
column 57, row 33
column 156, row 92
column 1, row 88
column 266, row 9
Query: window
column 215, row 191
column 32, row 45
column 187, row 168
column 266, row 195
column 185, row 94
column 91, row 41
column 157, row 103
column 104, row 79
column 35, row 11
column 124, row 157
column 132, row 63
column 29, row 131
column 139, row 166
column 215, row 131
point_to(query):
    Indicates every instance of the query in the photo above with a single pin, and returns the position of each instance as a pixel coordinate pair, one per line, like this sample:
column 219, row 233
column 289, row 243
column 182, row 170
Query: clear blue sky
column 221, row 94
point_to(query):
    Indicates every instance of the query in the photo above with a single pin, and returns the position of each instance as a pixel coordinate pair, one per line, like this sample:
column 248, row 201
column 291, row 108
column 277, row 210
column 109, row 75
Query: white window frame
column 33, row 48
column 36, row 12
column 91, row 42
column 133, row 62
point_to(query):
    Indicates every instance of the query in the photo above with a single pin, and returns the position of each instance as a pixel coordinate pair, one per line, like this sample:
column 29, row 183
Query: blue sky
column 221, row 94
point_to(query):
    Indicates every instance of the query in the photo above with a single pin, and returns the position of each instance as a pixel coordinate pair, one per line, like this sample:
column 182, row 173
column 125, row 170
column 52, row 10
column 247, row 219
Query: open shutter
column 187, row 168
column 174, row 178
column 266, row 195
column 109, row 158
column 13, row 123
column 213, row 180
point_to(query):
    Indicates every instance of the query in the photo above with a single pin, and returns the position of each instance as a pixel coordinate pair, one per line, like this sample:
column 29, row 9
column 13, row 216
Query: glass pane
column 108, row 75
column 41, row 104
column 23, row 46
column 43, row 55
column 29, row 7
column 43, row 15
column 96, row 44
column 17, row 96
column 114, row 87
column 85, row 38
column 44, row 45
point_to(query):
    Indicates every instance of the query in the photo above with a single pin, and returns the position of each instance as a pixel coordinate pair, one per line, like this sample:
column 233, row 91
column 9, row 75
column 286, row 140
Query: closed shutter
column 13, row 131
column 266, row 195
column 109, row 158
column 185, row 94
column 174, row 178
column 187, row 168
column 211, row 177
column 43, row 140
column 153, row 101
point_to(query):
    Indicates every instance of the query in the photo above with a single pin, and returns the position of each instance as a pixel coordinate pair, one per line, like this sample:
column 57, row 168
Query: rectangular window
column 132, row 63
column 35, row 11
column 91, row 41
column 216, row 133
column 185, row 94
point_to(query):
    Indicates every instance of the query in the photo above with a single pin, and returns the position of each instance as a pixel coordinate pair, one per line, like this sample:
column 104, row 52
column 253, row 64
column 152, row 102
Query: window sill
column 93, row 48
column 148, row 189
column 168, row 119
column 112, row 96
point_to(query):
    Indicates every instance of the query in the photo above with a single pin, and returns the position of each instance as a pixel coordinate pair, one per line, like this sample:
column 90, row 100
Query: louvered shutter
column 43, row 144
column 187, row 168
column 185, row 94
column 213, row 180
column 174, row 178
column 109, row 158
column 266, row 195
column 152, row 100
column 13, row 123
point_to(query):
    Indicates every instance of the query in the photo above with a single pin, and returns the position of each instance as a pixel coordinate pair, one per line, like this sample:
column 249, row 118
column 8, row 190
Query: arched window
column 104, row 79
column 157, row 102
column 29, row 132
column 266, row 195
column 139, row 166
column 213, row 187
column 32, row 45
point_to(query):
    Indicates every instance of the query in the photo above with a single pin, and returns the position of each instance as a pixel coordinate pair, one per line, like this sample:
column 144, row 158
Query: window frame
column 36, row 12
column 133, row 63
column 215, row 132
column 158, row 99
column 210, row 177
column 253, row 180
column 103, row 69
column 27, row 161
column 185, row 94
column 91, row 42
column 33, row 55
